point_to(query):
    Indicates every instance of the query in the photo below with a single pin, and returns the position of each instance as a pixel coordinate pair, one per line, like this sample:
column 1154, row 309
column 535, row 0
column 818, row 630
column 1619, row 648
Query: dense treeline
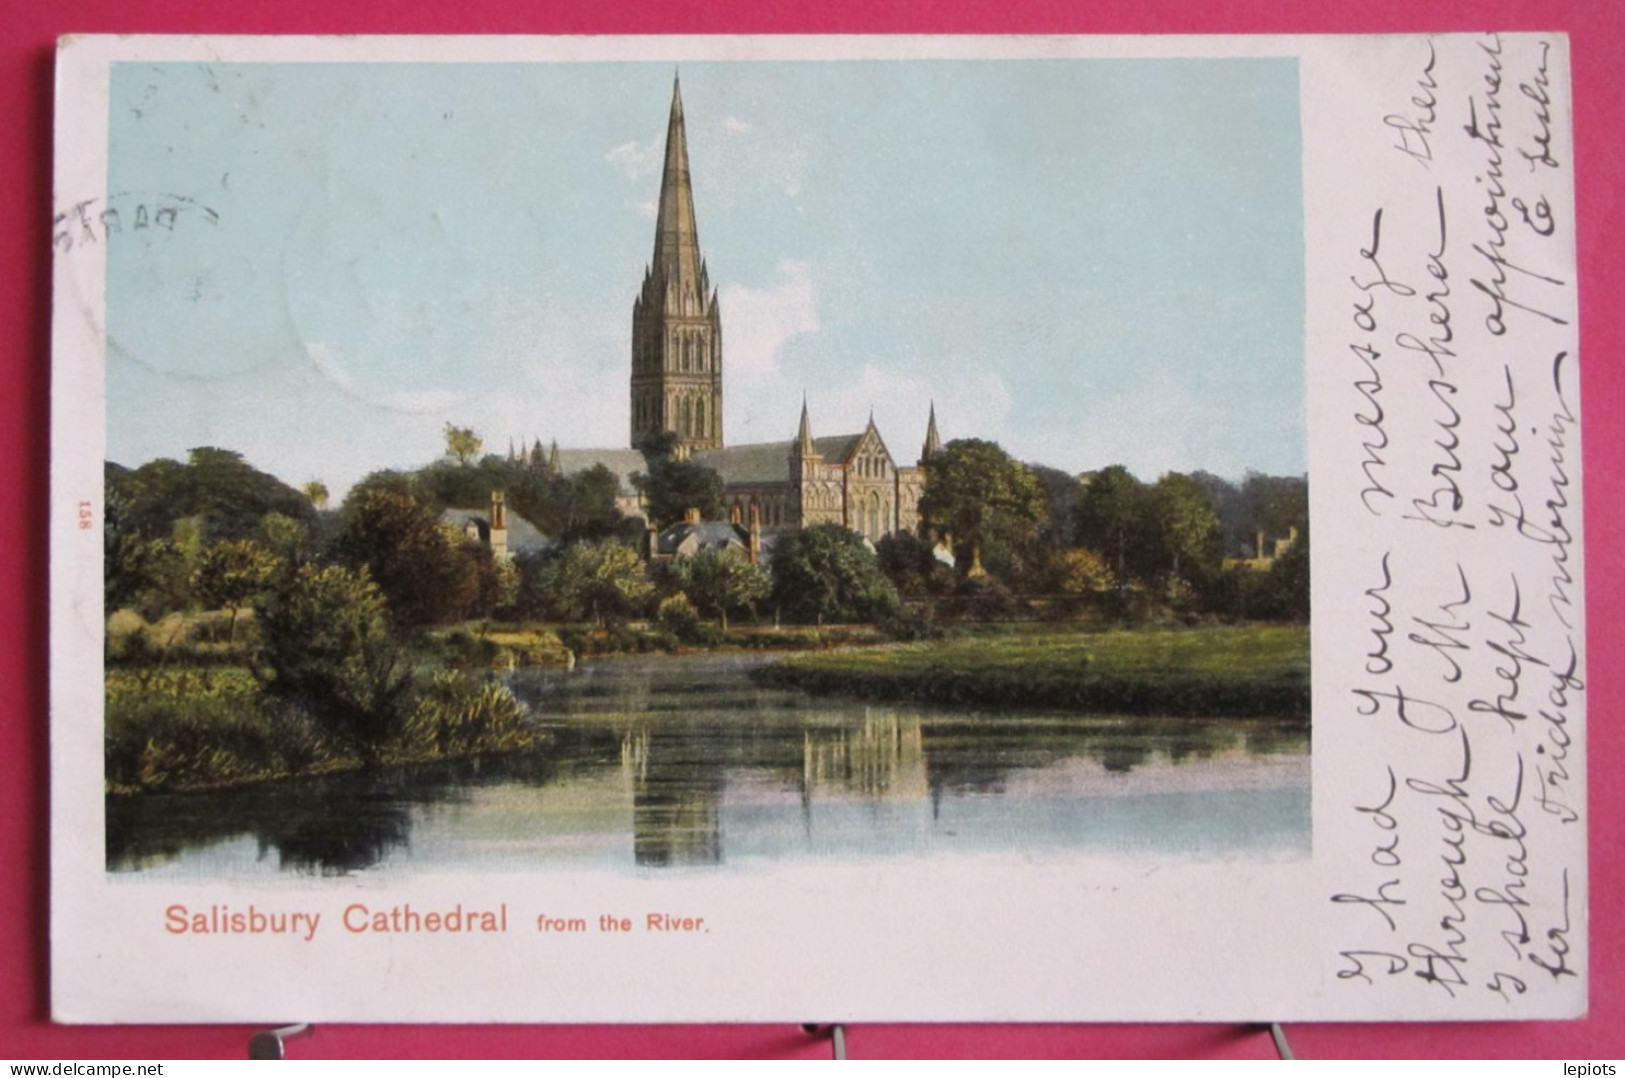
column 215, row 533
column 346, row 600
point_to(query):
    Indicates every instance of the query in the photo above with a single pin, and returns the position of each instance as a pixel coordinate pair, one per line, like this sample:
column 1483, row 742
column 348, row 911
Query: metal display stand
column 272, row 1043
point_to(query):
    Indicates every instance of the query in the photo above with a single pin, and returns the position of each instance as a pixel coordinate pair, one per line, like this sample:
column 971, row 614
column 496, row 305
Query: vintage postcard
column 764, row 529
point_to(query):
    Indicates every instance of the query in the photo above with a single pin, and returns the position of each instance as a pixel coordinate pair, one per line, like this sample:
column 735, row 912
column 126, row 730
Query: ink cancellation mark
column 97, row 220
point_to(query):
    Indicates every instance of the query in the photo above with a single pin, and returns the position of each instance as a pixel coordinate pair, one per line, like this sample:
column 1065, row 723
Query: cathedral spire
column 677, row 240
column 933, row 444
column 676, row 321
column 804, row 440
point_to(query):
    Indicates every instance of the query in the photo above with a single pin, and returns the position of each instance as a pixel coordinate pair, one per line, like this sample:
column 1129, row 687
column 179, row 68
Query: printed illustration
column 469, row 507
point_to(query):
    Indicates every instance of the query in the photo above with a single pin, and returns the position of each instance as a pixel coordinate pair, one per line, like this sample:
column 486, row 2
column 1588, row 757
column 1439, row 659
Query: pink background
column 28, row 29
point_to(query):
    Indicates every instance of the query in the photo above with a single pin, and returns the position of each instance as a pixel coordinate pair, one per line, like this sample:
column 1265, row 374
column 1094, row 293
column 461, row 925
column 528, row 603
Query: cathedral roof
column 623, row 462
column 764, row 462
column 769, row 462
column 838, row 448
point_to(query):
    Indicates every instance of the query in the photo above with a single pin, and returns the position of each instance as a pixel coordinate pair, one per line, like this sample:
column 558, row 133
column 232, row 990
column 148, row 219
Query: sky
column 1088, row 261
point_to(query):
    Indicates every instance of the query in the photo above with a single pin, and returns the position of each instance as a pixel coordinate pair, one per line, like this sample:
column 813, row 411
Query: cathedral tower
column 676, row 321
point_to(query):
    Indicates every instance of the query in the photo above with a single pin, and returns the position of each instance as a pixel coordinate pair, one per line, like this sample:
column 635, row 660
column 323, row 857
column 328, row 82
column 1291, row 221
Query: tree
column 223, row 493
column 1285, row 592
column 462, row 444
column 907, row 561
column 1184, row 526
column 154, row 577
column 1276, row 503
column 826, row 572
column 1062, row 492
column 316, row 491
column 121, row 546
column 1084, row 572
column 420, row 566
column 587, row 508
column 289, row 540
column 1110, row 517
column 597, row 580
column 978, row 494
column 672, row 487
column 717, row 581
column 327, row 648
column 233, row 573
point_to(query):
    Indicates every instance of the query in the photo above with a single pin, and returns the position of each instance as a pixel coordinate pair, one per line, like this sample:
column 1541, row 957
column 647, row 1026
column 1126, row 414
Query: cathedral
column 676, row 388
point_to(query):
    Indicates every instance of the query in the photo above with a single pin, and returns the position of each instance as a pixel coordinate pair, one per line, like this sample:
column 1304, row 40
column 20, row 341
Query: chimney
column 691, row 515
column 499, row 526
column 733, row 514
column 754, row 547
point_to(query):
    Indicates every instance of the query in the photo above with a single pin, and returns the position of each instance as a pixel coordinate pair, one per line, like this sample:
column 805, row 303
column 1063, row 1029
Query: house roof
column 523, row 536
column 709, row 535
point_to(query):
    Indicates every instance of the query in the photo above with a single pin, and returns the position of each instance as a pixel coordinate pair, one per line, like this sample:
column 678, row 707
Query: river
column 661, row 763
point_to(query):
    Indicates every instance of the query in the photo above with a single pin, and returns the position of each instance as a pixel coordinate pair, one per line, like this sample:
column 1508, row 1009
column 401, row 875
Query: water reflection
column 660, row 763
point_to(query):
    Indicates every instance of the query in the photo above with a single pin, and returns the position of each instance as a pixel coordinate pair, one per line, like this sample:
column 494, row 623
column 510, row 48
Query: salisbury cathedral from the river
column 676, row 387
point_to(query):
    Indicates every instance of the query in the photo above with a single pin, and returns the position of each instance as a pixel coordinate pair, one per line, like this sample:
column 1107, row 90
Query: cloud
column 733, row 125
column 759, row 321
column 635, row 160
column 327, row 364
column 649, row 208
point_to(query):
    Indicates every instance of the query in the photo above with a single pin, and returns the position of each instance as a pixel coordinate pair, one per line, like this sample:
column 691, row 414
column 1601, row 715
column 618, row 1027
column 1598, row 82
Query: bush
column 457, row 714
column 174, row 736
column 677, row 616
column 462, row 650
column 328, row 650
column 910, row 625
column 987, row 599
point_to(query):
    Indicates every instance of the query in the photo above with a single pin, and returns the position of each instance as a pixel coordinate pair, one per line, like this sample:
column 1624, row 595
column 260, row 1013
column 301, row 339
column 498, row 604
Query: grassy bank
column 507, row 646
column 200, row 727
column 1236, row 671
column 186, row 712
